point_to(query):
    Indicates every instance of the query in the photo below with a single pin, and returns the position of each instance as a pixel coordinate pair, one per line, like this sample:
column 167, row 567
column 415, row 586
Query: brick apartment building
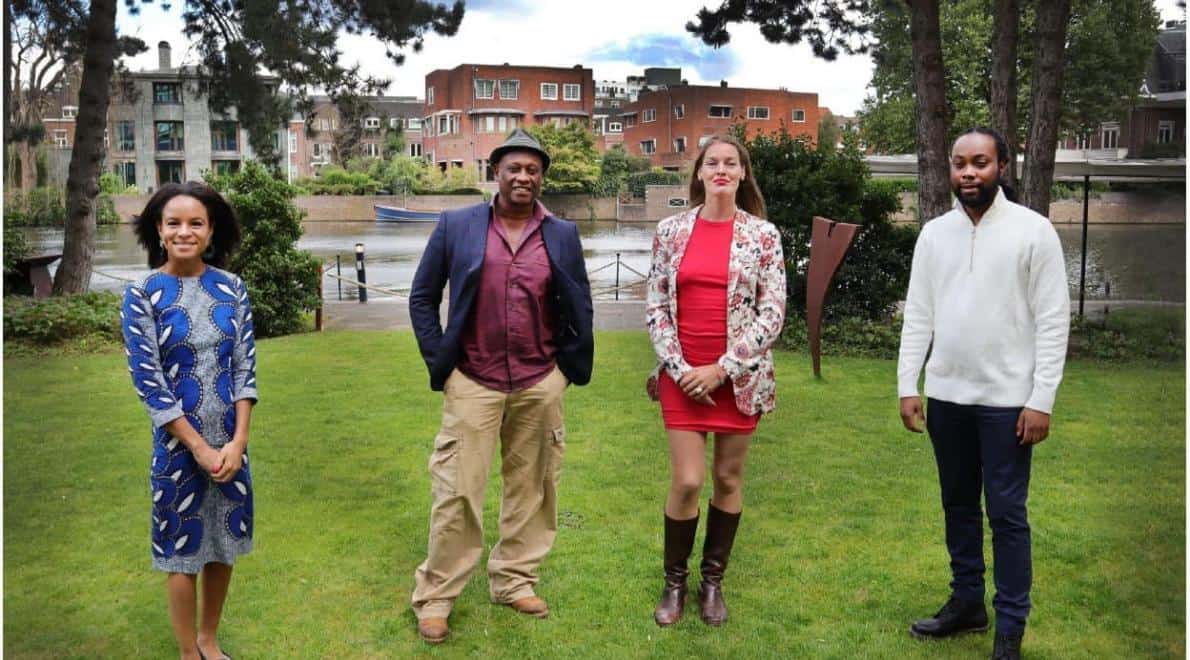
column 310, row 150
column 1159, row 115
column 669, row 125
column 470, row 109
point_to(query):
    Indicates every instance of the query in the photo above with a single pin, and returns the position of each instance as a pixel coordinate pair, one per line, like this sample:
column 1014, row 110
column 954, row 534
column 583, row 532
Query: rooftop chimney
column 163, row 56
column 723, row 83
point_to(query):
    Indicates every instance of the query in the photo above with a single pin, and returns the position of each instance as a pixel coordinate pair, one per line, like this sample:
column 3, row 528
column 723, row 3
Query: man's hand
column 911, row 413
column 699, row 382
column 1032, row 426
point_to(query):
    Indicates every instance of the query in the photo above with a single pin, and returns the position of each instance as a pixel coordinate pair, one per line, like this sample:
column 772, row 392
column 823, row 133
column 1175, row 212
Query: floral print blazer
column 755, row 305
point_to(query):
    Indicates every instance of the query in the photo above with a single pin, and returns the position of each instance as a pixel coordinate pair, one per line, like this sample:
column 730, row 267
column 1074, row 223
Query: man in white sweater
column 988, row 290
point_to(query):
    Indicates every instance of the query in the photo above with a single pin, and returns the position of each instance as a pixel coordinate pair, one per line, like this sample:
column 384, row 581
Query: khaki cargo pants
column 527, row 427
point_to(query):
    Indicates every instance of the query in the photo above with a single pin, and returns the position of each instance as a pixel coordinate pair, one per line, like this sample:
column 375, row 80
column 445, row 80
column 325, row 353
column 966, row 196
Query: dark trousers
column 977, row 449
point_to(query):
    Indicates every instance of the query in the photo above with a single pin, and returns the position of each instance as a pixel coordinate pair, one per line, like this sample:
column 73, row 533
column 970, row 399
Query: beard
column 981, row 199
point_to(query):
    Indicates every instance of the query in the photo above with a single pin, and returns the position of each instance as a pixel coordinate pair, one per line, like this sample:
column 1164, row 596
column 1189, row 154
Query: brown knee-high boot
column 721, row 528
column 679, row 541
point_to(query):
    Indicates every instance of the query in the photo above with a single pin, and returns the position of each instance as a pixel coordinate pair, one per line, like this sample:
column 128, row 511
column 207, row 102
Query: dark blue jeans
column 977, row 449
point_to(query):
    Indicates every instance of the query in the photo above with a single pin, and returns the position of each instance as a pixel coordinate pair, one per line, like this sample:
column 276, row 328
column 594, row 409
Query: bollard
column 360, row 275
column 617, row 276
column 339, row 272
column 318, row 310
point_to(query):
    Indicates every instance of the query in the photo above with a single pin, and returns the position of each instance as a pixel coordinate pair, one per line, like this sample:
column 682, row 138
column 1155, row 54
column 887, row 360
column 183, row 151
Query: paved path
column 386, row 313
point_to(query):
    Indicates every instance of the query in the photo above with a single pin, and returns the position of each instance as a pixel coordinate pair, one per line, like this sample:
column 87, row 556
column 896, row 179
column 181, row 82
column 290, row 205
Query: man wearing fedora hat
column 518, row 331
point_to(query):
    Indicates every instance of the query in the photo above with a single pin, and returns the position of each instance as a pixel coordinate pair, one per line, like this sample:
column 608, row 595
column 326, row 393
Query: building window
column 170, row 136
column 70, row 111
column 394, row 122
column 679, row 145
column 372, row 150
column 630, row 120
column 324, row 124
column 507, row 124
column 371, row 123
column 429, row 96
column 614, row 127
column 760, row 112
column 1111, row 135
column 125, row 171
column 485, row 89
column 225, row 167
column 799, row 116
column 413, row 124
column 679, row 111
column 322, row 150
column 60, row 139
column 292, row 142
column 510, row 89
column 648, row 146
column 125, row 136
column 720, row 111
column 677, row 202
column 224, row 136
column 613, row 104
column 1165, row 130
column 1083, row 141
column 170, row 171
column 448, row 124
column 165, row 93
column 571, row 92
column 415, row 149
column 648, row 116
column 549, row 91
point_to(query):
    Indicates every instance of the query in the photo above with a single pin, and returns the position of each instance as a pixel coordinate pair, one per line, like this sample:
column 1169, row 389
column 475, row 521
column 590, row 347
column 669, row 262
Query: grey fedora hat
column 519, row 140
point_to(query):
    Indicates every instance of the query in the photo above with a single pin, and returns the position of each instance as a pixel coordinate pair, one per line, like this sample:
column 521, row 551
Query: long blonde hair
column 747, row 196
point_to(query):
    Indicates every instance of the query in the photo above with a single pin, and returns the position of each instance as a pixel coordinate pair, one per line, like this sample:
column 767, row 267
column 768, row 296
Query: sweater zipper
column 971, row 262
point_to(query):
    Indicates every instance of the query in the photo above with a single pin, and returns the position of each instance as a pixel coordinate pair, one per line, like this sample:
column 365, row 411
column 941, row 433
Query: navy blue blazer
column 455, row 253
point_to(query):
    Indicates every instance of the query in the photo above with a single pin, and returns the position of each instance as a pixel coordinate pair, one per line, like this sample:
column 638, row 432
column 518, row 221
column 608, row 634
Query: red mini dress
column 702, row 333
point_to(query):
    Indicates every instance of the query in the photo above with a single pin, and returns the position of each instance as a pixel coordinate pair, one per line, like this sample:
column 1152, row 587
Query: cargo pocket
column 444, row 466
column 557, row 453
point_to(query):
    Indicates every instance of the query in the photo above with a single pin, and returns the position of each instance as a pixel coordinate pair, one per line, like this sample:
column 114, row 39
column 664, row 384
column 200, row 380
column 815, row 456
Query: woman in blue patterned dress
column 188, row 335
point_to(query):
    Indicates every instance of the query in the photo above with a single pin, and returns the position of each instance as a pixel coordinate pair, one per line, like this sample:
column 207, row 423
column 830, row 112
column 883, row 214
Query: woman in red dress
column 716, row 304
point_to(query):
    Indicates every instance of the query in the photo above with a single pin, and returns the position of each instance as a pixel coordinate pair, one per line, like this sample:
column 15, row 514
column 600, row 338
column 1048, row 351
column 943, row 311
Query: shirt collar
column 998, row 202
column 539, row 210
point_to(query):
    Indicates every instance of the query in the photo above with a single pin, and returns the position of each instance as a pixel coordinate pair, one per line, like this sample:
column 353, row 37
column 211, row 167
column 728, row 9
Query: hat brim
column 500, row 151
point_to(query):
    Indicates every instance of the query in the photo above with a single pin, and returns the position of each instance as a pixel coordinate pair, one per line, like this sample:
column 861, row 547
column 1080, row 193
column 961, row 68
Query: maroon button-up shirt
column 508, row 343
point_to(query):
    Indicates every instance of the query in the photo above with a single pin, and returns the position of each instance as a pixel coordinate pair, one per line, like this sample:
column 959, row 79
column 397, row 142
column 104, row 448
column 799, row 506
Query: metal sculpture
column 829, row 241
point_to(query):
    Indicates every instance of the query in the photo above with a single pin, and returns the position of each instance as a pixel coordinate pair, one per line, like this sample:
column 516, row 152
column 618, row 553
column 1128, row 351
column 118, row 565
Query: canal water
column 1133, row 262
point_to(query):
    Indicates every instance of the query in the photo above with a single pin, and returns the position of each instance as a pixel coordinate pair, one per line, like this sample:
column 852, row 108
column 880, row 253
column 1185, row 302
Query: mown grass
column 840, row 545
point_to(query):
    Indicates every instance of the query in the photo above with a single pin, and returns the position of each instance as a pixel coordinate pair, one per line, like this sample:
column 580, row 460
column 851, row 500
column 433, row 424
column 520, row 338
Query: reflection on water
column 1145, row 262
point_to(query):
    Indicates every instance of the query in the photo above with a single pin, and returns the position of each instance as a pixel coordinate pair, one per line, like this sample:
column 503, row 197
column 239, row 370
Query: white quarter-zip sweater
column 994, row 300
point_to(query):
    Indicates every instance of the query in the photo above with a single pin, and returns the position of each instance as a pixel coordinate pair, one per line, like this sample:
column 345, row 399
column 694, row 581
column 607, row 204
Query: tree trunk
column 82, row 183
column 27, row 153
column 933, row 114
column 1045, row 103
column 1006, row 23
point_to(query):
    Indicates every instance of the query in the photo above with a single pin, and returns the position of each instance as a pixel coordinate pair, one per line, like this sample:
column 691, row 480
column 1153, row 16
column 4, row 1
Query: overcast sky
column 615, row 38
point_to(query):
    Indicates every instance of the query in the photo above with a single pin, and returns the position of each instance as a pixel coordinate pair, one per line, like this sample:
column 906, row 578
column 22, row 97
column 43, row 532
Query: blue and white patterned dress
column 192, row 352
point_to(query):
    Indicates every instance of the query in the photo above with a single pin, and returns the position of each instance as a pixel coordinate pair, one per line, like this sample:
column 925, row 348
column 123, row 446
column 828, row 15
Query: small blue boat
column 398, row 214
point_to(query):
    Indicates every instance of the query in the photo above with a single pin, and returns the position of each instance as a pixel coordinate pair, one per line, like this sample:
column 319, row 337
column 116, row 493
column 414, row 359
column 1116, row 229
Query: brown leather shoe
column 531, row 605
column 433, row 630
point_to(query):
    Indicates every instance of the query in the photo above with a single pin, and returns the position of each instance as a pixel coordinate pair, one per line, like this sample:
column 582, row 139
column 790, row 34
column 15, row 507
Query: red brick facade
column 471, row 109
column 673, row 120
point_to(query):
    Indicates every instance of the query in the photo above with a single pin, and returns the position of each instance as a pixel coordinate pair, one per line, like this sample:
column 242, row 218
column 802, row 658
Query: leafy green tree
column 282, row 280
column 800, row 182
column 574, row 161
column 828, row 131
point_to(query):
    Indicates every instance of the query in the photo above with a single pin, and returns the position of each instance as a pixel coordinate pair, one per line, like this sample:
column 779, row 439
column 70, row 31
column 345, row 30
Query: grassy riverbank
column 840, row 545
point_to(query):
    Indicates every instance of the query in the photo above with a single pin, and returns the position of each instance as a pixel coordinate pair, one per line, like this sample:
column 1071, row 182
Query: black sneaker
column 955, row 617
column 1008, row 647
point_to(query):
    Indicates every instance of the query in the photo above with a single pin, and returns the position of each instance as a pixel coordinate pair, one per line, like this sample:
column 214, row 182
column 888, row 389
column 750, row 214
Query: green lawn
column 840, row 546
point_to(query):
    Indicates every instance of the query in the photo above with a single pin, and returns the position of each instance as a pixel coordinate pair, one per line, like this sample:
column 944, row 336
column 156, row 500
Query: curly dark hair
column 225, row 227
column 747, row 196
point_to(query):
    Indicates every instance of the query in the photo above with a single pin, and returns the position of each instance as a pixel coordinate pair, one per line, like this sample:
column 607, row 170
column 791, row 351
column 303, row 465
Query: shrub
column 16, row 248
column 282, row 280
column 54, row 320
column 40, row 207
column 334, row 180
column 1130, row 334
column 800, row 182
column 851, row 336
column 637, row 181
